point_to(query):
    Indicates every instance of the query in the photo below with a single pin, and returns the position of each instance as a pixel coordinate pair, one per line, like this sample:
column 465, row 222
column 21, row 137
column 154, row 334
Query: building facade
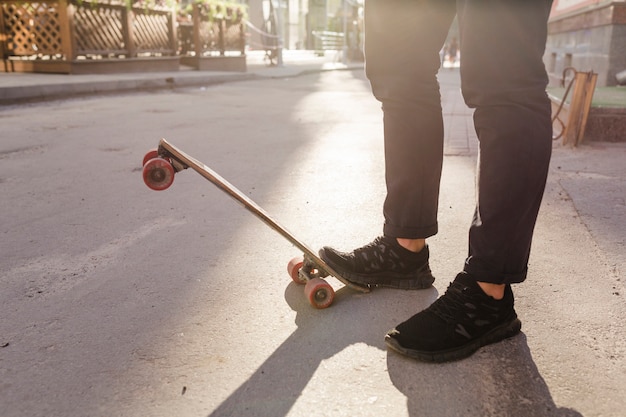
column 297, row 19
column 587, row 35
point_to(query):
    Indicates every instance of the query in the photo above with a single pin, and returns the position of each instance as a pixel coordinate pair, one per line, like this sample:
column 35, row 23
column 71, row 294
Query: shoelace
column 461, row 306
column 454, row 305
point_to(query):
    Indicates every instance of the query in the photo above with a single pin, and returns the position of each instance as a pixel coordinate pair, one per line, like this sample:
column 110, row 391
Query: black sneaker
column 382, row 263
column 457, row 324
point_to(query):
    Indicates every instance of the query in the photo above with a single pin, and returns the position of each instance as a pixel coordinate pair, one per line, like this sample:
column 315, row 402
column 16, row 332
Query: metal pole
column 279, row 33
column 344, row 57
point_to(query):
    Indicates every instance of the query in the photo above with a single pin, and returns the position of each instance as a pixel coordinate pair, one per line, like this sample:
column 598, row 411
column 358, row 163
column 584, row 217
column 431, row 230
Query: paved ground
column 121, row 301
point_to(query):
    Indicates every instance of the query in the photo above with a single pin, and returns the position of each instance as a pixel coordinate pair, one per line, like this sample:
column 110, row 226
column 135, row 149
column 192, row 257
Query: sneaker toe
column 331, row 256
column 424, row 332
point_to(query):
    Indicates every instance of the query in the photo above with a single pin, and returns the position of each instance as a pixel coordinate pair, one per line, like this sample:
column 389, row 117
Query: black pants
column 503, row 78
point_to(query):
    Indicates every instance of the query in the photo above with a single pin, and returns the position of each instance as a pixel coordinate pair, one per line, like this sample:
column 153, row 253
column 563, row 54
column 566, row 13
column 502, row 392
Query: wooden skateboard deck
column 160, row 166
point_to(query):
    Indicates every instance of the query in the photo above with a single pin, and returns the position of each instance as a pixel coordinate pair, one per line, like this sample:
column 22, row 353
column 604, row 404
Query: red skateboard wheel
column 319, row 293
column 152, row 153
column 293, row 269
column 158, row 174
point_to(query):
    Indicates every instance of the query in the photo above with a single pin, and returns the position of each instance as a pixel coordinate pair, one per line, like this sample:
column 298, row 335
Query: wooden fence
column 207, row 38
column 79, row 36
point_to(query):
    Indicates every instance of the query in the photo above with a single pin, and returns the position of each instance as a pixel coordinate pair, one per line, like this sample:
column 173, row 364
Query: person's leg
column 503, row 77
column 402, row 43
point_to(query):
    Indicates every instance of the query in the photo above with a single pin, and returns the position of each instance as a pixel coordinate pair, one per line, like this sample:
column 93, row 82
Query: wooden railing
column 209, row 37
column 68, row 36
column 114, row 30
column 72, row 29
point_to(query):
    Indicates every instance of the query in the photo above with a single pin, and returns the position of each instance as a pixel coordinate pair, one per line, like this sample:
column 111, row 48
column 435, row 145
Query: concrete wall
column 590, row 38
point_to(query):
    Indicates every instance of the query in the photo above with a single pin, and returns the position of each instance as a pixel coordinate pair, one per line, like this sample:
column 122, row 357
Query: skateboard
column 159, row 168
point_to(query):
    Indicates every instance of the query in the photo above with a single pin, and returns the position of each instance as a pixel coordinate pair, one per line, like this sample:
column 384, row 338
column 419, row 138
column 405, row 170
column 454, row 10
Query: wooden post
column 575, row 108
column 66, row 23
column 220, row 40
column 127, row 31
column 171, row 27
column 242, row 38
column 197, row 21
column 590, row 86
column 3, row 35
column 580, row 105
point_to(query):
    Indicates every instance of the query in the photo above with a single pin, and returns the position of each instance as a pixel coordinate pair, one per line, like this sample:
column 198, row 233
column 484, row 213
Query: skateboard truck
column 159, row 168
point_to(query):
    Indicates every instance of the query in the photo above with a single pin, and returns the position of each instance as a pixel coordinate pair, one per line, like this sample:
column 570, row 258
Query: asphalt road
column 121, row 301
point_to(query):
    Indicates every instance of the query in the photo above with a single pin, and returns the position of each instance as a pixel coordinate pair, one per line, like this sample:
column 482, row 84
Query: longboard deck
column 181, row 160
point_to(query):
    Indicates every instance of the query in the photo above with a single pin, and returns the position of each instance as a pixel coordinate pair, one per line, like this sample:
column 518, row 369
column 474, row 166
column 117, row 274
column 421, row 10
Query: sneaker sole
column 497, row 334
column 422, row 279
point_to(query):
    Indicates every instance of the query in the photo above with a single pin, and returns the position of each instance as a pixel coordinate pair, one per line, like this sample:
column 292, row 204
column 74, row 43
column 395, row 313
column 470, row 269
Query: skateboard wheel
column 319, row 293
column 153, row 153
column 293, row 268
column 158, row 174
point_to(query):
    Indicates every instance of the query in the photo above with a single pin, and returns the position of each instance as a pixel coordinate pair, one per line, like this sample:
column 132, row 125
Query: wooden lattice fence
column 212, row 37
column 82, row 36
column 68, row 36
column 91, row 40
column 30, row 28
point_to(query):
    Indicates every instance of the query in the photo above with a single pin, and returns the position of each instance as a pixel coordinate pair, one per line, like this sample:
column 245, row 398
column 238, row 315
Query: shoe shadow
column 278, row 383
column 500, row 379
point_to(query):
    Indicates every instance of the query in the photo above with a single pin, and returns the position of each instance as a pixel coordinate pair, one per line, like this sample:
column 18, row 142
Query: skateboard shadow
column 499, row 379
column 354, row 318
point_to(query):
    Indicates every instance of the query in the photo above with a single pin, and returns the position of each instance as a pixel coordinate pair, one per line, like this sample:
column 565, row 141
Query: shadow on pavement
column 500, row 379
column 278, row 383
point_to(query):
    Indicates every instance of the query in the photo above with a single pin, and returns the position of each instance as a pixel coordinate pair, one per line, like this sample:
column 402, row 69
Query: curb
column 116, row 83
column 43, row 92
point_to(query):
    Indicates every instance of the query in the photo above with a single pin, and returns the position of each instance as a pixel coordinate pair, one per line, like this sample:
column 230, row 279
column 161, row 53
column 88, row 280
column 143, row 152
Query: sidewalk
column 21, row 87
